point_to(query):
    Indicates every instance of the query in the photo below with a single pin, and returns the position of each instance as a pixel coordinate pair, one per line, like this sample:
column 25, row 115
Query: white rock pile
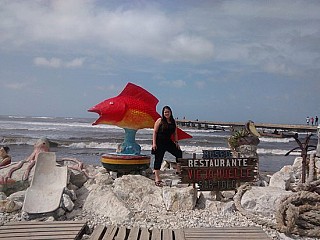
column 134, row 200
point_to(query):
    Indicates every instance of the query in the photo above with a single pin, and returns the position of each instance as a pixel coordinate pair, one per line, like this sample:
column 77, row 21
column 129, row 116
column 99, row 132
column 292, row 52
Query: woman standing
column 164, row 128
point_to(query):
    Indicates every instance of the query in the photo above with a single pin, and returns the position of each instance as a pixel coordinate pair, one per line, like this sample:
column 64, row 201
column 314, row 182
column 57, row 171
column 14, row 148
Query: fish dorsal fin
column 139, row 93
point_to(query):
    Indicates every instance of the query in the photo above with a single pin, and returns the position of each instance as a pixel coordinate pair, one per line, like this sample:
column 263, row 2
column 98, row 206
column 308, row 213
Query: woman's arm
column 155, row 132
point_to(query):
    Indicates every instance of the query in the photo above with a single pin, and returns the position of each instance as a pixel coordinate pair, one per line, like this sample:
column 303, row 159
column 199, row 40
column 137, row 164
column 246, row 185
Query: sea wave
column 275, row 151
column 276, row 140
column 92, row 145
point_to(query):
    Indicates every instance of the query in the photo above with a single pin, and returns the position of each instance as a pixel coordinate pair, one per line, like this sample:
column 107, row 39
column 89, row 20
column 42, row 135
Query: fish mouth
column 95, row 110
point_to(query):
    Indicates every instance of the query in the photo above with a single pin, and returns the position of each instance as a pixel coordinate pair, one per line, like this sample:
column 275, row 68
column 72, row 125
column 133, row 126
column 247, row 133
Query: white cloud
column 58, row 63
column 77, row 62
column 145, row 31
column 53, row 62
column 15, row 85
column 224, row 30
column 175, row 83
column 109, row 88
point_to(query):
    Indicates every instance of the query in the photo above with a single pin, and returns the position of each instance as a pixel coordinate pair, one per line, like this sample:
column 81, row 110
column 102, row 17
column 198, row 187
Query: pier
column 229, row 126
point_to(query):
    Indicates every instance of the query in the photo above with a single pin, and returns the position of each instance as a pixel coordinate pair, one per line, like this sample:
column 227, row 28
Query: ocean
column 77, row 138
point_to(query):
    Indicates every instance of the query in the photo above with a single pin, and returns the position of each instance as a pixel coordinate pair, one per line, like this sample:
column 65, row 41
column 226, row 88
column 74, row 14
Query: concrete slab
column 49, row 180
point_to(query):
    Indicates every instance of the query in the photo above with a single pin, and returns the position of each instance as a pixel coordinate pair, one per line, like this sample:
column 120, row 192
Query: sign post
column 218, row 170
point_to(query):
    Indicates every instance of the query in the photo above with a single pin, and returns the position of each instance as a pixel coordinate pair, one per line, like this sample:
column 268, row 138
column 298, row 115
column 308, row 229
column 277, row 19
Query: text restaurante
column 227, row 162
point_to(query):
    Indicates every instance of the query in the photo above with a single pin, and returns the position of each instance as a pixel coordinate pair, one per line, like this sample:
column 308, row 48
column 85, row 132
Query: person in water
column 5, row 158
column 164, row 130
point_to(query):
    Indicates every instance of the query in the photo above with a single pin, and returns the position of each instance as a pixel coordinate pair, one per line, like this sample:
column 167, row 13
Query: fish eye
column 111, row 103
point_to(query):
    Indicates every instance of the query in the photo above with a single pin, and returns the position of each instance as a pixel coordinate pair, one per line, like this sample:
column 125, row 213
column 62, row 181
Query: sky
column 228, row 61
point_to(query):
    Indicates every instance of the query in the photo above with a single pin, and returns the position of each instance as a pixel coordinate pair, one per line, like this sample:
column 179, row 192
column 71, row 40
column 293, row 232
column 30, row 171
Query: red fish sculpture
column 134, row 108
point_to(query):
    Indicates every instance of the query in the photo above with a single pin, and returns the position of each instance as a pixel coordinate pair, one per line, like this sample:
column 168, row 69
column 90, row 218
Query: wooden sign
column 218, row 170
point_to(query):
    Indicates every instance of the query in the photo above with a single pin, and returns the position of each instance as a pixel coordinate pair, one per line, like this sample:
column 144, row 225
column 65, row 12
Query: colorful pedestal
column 125, row 163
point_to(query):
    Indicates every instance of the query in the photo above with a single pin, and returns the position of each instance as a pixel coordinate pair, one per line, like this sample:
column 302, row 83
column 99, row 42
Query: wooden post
column 194, row 156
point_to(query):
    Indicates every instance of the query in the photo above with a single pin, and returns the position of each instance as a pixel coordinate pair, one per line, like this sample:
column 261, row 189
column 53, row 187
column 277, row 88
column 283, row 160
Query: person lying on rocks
column 5, row 158
column 42, row 145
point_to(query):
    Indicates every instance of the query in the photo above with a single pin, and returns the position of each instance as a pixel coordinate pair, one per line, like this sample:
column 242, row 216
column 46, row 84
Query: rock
column 282, row 178
column 297, row 168
column 59, row 212
column 228, row 194
column 72, row 187
column 263, row 200
column 9, row 206
column 164, row 165
column 177, row 199
column 104, row 179
column 102, row 201
column 77, row 178
column 67, row 202
column 16, row 182
column 70, row 193
column 138, row 191
column 228, row 207
column 18, row 196
column 3, row 196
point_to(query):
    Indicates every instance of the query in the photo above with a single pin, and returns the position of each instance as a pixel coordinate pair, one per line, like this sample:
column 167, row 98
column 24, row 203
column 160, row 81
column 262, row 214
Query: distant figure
column 307, row 120
column 316, row 121
column 5, row 158
column 312, row 120
column 42, row 145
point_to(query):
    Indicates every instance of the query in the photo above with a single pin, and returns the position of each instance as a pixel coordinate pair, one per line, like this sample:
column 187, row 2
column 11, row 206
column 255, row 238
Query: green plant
column 234, row 141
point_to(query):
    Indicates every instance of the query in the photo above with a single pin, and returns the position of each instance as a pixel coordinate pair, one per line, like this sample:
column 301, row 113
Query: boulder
column 17, row 181
column 102, row 201
column 263, row 200
column 77, row 178
column 297, row 168
column 9, row 205
column 177, row 199
column 67, row 202
column 138, row 191
column 282, row 178
column 17, row 196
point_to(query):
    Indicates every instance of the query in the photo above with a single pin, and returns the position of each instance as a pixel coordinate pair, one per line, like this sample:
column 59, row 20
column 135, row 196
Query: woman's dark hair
column 7, row 149
column 163, row 118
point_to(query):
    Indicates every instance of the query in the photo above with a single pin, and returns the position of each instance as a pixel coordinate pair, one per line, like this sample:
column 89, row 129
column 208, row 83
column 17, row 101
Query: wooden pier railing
column 207, row 125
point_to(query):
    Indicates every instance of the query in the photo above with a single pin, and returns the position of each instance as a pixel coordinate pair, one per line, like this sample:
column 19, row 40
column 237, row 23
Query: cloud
column 142, row 31
column 215, row 31
column 58, row 63
column 175, row 83
column 53, row 62
column 15, row 85
column 109, row 88
column 77, row 62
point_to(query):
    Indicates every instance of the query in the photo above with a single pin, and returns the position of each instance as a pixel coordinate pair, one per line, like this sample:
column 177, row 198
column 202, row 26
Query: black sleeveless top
column 164, row 134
